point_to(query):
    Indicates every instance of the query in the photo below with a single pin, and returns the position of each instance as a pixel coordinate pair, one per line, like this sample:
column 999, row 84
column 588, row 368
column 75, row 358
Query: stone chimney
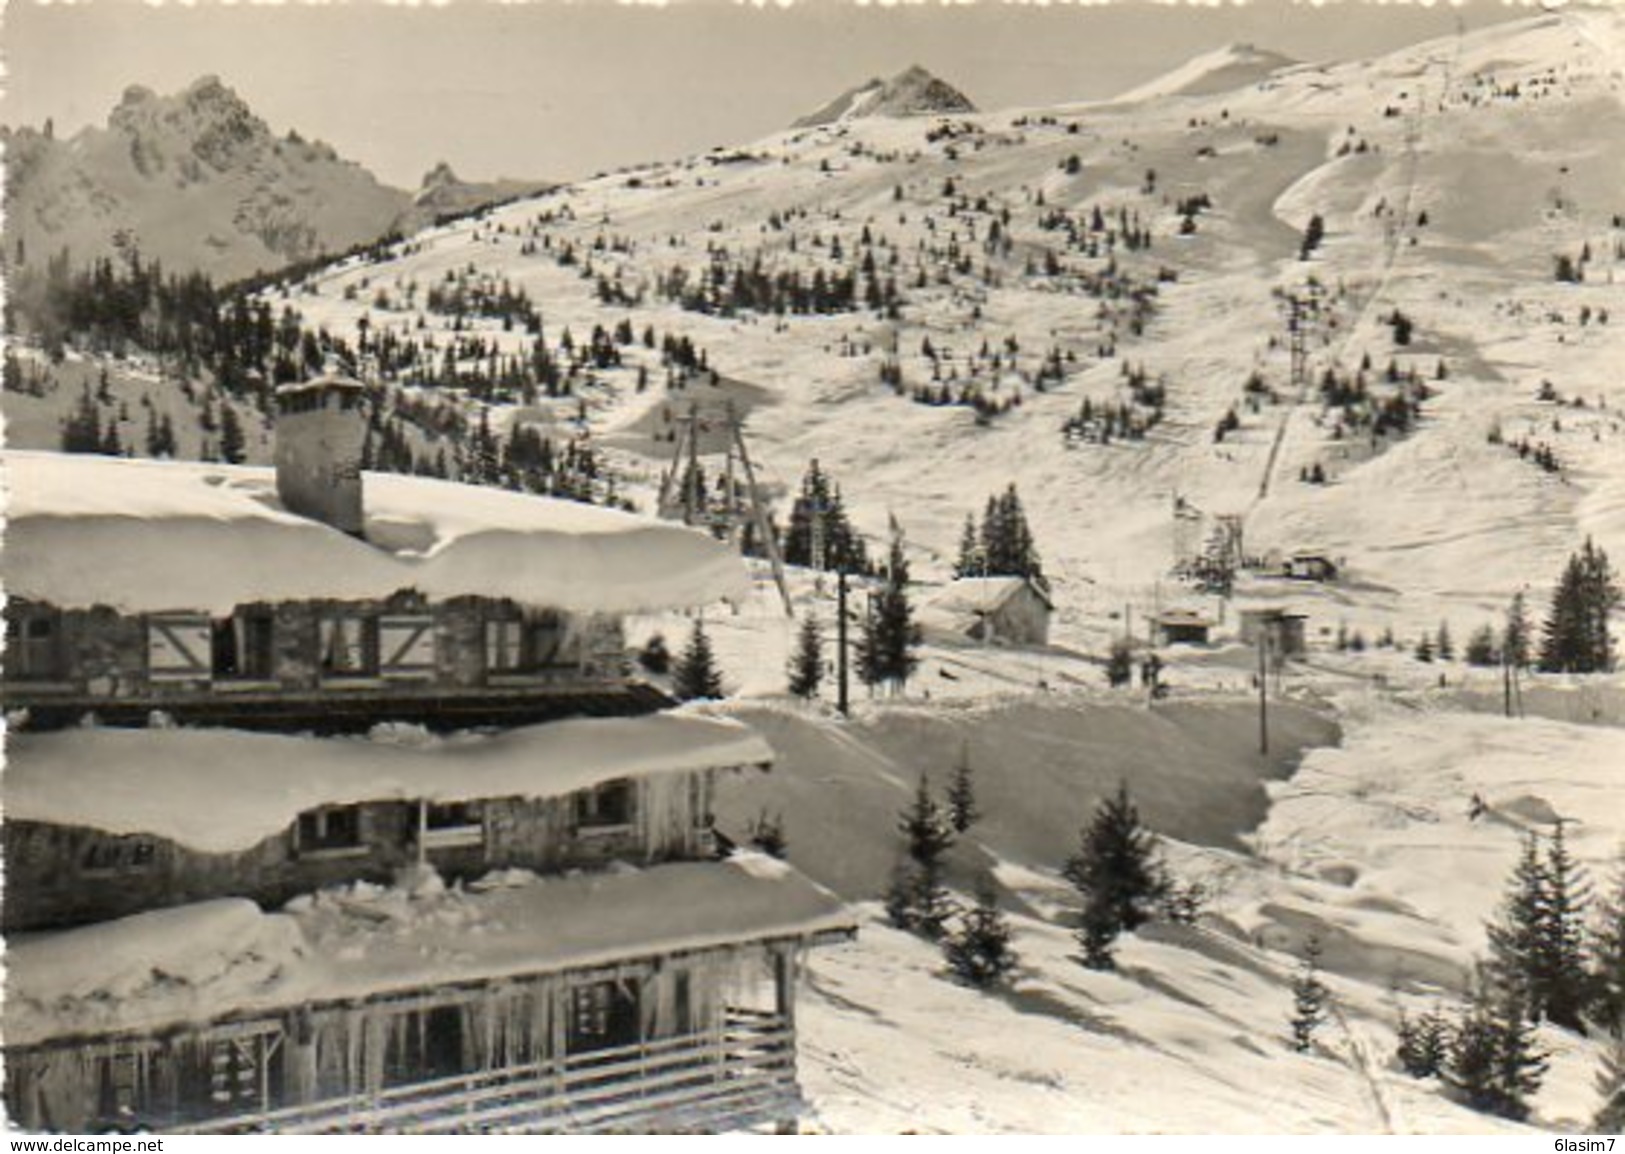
column 320, row 429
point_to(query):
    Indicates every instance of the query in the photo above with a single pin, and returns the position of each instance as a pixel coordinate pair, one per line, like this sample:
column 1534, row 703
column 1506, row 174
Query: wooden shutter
column 406, row 646
column 180, row 648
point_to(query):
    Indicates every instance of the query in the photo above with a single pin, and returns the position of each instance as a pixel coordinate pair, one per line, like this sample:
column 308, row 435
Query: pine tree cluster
column 1577, row 637
column 1003, row 546
column 819, row 535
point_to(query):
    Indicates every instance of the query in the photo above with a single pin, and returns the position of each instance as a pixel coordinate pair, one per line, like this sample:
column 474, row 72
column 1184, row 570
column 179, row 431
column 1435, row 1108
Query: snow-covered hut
column 1011, row 610
column 1181, row 627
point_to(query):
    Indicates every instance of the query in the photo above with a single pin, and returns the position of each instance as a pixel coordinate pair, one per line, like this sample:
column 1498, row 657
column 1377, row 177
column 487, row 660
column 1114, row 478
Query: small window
column 35, row 651
column 453, row 825
column 603, row 1015
column 532, row 643
column 331, row 827
column 605, row 806
column 453, row 814
column 349, row 645
column 118, row 855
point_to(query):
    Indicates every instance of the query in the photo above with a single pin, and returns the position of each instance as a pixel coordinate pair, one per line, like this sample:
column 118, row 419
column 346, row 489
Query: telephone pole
column 841, row 701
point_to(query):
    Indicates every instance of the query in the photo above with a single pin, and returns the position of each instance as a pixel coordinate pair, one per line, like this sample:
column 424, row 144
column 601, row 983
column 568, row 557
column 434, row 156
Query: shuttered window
column 406, row 646
column 180, row 647
column 529, row 644
column 34, row 650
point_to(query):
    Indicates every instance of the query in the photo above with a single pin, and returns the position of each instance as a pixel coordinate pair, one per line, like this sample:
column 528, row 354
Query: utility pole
column 841, row 702
column 1263, row 694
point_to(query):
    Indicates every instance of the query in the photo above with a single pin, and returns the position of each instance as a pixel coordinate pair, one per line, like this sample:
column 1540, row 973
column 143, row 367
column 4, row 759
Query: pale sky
column 559, row 90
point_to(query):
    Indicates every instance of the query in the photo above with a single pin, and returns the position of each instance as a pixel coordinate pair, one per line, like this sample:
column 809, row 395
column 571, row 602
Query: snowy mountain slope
column 1221, row 70
column 1369, row 146
column 912, row 92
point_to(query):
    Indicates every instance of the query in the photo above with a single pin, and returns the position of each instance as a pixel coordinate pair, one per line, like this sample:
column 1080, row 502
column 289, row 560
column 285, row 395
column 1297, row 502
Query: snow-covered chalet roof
column 150, row 536
column 198, row 963
column 974, row 596
column 226, row 790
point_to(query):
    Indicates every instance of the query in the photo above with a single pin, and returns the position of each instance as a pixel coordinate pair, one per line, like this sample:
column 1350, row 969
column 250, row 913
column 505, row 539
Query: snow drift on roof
column 973, row 597
column 201, row 962
column 223, row 790
column 148, row 536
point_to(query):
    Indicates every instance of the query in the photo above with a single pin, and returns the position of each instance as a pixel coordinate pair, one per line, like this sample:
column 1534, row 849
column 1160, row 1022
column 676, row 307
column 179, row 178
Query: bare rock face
column 195, row 180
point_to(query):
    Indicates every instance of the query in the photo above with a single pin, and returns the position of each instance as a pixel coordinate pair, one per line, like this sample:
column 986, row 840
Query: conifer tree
column 1518, row 937
column 232, row 443
column 807, row 662
column 1446, row 647
column 696, row 676
column 889, row 636
column 1423, row 1042
column 1515, row 635
column 1308, row 998
column 928, row 831
column 962, row 811
column 1493, row 1064
column 918, row 900
column 1608, row 955
column 979, row 949
column 971, row 561
column 1480, row 649
column 1116, row 874
column 1565, row 985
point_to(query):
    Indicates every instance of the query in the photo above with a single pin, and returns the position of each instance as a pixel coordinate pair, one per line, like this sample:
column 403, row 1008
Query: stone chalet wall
column 59, row 875
column 105, row 653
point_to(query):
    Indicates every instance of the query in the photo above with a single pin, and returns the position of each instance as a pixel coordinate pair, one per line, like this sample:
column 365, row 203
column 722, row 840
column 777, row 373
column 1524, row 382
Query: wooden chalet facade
column 521, row 922
column 325, row 665
column 669, row 1043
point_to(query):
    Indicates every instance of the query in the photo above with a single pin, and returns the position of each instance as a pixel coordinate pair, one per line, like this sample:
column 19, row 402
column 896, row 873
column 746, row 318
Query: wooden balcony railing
column 736, row 1078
